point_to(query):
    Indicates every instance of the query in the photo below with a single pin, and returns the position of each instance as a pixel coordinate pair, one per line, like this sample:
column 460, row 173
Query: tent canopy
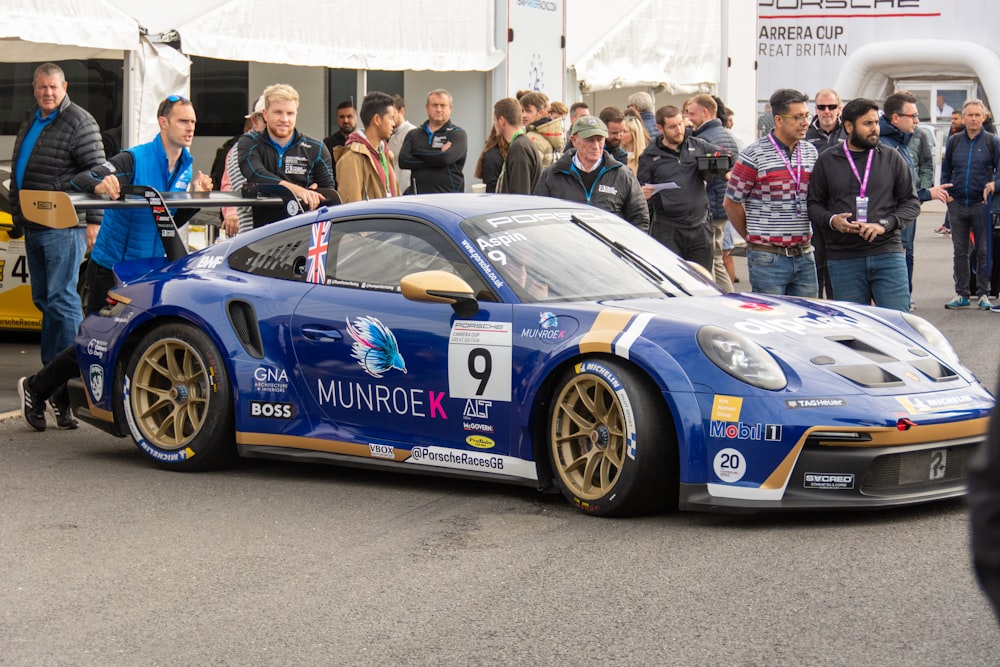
column 34, row 30
column 669, row 45
column 457, row 35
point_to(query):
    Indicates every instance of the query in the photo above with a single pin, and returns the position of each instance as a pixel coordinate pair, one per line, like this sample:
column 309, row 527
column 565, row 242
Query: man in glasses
column 826, row 130
column 56, row 140
column 896, row 130
column 860, row 197
column 164, row 163
column 766, row 201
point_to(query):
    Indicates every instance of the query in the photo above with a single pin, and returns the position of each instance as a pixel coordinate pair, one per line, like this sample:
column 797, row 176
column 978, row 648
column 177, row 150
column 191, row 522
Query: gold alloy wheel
column 588, row 437
column 169, row 393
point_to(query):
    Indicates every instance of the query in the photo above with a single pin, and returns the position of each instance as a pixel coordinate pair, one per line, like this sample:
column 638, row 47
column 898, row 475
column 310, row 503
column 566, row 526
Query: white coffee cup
column 479, row 188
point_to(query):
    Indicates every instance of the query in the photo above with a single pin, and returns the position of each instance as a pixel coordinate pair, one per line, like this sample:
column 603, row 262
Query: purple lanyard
column 797, row 176
column 868, row 168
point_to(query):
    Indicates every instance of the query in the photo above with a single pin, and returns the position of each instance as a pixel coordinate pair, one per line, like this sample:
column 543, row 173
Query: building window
column 219, row 94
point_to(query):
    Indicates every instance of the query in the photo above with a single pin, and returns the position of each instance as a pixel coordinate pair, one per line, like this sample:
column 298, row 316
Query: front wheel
column 611, row 441
column 177, row 400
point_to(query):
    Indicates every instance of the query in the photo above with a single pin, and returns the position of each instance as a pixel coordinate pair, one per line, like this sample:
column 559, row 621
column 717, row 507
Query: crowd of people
column 826, row 202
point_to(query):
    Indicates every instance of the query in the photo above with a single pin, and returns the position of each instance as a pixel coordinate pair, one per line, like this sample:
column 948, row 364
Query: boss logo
column 272, row 410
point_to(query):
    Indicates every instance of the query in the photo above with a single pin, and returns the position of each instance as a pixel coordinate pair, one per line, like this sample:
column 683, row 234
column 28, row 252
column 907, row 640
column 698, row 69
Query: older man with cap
column 588, row 174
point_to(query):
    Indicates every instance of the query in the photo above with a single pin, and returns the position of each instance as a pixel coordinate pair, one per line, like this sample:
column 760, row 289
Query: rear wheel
column 611, row 442
column 177, row 400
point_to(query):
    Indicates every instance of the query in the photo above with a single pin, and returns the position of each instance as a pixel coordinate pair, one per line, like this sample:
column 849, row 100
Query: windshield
column 544, row 255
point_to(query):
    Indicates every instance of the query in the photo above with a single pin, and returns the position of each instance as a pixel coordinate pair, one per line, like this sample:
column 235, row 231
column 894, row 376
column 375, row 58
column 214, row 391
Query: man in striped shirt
column 766, row 201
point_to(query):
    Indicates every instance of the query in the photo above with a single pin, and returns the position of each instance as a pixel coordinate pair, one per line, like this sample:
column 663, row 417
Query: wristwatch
column 885, row 223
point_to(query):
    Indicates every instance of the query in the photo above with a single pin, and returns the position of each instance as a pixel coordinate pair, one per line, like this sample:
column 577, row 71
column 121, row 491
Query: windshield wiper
column 651, row 271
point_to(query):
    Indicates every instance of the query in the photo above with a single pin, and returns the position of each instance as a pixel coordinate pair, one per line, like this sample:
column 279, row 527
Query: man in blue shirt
column 165, row 164
column 57, row 140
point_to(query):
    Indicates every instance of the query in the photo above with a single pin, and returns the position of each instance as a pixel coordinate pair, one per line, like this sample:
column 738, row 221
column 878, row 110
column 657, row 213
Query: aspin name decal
column 823, row 480
column 796, row 403
column 271, row 410
column 380, row 399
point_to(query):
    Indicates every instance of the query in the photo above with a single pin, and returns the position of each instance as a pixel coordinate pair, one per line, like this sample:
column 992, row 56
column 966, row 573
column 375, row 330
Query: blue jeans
column 966, row 219
column 777, row 274
column 907, row 236
column 878, row 278
column 54, row 257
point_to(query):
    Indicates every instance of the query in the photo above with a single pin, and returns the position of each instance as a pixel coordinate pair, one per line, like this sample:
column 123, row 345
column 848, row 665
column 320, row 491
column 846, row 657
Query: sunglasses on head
column 826, row 107
column 177, row 98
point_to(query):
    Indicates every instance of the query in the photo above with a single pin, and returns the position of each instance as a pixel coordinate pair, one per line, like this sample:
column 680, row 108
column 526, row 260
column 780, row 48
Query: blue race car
column 524, row 340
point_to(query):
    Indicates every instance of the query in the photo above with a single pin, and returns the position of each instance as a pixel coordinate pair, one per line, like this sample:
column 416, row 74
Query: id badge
column 861, row 204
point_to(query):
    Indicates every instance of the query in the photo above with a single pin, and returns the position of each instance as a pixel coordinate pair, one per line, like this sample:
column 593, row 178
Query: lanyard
column 385, row 170
column 797, row 175
column 868, row 168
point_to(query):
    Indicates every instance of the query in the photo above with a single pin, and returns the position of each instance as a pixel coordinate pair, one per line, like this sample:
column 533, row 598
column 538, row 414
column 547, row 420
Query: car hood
column 831, row 346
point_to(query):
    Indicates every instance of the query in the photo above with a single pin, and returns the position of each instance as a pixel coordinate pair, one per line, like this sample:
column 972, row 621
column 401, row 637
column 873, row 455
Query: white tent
column 47, row 30
column 672, row 46
column 446, row 35
column 64, row 29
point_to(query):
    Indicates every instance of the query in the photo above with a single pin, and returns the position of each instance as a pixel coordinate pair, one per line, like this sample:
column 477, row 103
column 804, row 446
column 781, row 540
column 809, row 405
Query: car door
column 407, row 381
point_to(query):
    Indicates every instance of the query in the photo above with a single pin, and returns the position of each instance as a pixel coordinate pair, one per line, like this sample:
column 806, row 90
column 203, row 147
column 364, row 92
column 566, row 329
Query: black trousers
column 53, row 377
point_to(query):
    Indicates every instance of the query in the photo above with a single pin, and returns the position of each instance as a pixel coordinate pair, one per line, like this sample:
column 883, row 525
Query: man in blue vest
column 165, row 164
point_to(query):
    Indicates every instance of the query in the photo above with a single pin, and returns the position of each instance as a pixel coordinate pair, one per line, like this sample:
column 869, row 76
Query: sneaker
column 32, row 409
column 984, row 303
column 942, row 231
column 958, row 302
column 64, row 416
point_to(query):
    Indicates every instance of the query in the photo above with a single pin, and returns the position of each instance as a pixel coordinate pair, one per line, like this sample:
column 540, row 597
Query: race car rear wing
column 59, row 210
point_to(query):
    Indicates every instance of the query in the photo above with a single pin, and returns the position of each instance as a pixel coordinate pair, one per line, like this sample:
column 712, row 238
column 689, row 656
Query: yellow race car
column 16, row 308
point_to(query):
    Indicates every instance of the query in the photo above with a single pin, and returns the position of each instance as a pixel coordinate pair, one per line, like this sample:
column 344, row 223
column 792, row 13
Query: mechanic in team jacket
column 281, row 155
column 435, row 152
column 164, row 163
column 589, row 175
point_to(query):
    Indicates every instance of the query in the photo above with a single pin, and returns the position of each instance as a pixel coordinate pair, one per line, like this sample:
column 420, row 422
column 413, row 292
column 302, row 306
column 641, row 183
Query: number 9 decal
column 479, row 360
column 480, row 354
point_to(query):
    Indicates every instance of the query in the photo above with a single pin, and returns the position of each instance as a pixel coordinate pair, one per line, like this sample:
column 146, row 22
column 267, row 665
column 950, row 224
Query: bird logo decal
column 375, row 346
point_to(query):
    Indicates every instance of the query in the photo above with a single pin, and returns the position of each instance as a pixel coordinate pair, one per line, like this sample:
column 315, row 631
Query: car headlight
column 935, row 339
column 741, row 357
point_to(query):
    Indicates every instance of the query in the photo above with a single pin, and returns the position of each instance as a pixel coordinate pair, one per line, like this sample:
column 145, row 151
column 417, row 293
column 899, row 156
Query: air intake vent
column 244, row 323
column 934, row 369
column 878, row 356
column 868, row 375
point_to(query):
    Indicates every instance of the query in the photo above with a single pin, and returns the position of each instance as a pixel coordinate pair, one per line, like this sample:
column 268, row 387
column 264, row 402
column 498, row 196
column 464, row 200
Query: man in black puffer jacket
column 56, row 141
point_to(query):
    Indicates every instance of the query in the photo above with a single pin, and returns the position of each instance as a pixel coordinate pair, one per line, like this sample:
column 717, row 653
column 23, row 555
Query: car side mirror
column 441, row 287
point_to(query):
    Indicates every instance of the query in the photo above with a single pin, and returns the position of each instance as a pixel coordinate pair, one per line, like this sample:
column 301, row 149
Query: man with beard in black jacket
column 681, row 215
column 860, row 197
column 589, row 175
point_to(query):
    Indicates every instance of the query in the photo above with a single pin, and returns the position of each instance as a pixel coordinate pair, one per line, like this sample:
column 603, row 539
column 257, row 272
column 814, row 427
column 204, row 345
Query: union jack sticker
column 319, row 243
